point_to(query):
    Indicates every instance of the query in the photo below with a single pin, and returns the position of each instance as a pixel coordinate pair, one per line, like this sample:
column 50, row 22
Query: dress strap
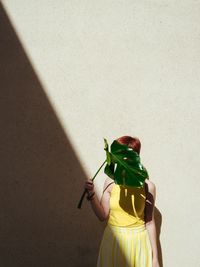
column 107, row 186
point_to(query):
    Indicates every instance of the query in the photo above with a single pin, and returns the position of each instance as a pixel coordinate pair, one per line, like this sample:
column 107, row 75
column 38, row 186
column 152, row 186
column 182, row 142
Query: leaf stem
column 99, row 170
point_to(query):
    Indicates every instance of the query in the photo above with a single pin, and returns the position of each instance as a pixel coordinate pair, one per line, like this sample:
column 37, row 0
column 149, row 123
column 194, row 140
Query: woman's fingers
column 89, row 181
column 89, row 185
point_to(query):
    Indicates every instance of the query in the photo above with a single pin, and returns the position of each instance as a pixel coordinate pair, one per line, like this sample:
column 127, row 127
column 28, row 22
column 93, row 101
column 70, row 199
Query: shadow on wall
column 158, row 221
column 41, row 178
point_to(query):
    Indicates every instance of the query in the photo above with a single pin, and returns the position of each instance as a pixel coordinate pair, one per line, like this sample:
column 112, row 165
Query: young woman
column 129, row 239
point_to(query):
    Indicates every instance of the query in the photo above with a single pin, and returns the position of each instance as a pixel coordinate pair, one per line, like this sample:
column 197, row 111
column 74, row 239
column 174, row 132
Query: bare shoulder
column 151, row 186
column 150, row 189
column 108, row 184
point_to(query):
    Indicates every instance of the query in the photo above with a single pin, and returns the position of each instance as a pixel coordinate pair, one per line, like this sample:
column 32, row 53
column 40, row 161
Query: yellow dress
column 125, row 241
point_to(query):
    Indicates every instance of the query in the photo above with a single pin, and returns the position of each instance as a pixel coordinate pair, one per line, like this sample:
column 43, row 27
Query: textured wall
column 72, row 73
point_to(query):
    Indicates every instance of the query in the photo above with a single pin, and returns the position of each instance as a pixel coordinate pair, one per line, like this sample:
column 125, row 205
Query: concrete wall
column 73, row 72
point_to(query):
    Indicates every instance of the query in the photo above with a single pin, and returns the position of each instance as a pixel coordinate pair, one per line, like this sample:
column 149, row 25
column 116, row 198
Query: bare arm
column 100, row 208
column 150, row 220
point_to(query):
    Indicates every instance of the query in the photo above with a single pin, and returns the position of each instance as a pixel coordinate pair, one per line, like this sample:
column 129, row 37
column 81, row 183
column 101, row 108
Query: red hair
column 132, row 142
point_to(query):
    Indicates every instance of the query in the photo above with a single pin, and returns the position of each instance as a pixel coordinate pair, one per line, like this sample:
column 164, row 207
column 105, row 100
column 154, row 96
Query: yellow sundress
column 125, row 241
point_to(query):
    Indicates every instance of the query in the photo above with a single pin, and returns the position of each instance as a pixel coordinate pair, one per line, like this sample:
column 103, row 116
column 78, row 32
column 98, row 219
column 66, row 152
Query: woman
column 129, row 238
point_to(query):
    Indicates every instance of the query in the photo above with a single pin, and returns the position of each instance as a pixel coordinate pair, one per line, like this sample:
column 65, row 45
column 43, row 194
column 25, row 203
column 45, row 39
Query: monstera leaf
column 124, row 165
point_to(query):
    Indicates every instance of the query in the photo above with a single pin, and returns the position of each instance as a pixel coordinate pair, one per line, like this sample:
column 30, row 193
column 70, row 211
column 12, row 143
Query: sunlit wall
column 112, row 68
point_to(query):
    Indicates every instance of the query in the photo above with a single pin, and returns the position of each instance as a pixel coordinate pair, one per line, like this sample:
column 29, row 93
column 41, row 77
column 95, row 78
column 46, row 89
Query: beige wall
column 73, row 73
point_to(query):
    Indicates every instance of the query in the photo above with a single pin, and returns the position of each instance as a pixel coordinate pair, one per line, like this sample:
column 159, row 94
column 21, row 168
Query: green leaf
column 106, row 148
column 109, row 170
column 124, row 166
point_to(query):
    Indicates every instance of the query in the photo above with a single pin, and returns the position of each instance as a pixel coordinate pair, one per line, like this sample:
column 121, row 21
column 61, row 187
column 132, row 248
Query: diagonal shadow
column 41, row 178
column 40, row 173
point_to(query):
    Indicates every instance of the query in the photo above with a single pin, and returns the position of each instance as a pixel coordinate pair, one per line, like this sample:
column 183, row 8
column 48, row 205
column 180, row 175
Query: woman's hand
column 89, row 186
